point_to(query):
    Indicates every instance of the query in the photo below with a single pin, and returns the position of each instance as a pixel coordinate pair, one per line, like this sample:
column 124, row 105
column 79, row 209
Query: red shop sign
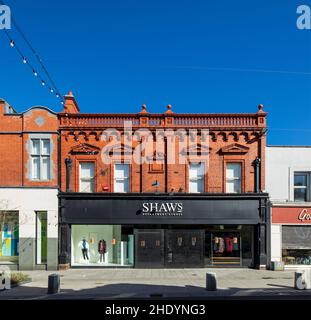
column 304, row 215
column 295, row 215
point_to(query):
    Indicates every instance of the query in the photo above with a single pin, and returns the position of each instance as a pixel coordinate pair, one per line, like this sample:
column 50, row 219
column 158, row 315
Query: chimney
column 2, row 105
column 5, row 107
column 71, row 105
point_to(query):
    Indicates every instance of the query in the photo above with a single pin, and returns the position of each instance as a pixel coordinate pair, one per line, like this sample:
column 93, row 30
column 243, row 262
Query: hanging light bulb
column 62, row 102
column 24, row 60
column 43, row 82
column 51, row 90
column 12, row 43
column 57, row 95
column 35, row 73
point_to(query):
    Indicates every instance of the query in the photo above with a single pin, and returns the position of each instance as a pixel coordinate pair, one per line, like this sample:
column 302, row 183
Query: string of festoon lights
column 49, row 84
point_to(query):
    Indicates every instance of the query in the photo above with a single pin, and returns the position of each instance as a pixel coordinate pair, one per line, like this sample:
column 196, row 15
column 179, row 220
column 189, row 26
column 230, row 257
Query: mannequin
column 102, row 249
column 84, row 245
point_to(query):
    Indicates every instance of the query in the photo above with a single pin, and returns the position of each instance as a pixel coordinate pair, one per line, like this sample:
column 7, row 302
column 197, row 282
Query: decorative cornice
column 84, row 148
column 235, row 148
column 196, row 149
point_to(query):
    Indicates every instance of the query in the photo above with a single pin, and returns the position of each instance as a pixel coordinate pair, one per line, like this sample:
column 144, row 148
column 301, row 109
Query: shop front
column 163, row 231
column 291, row 236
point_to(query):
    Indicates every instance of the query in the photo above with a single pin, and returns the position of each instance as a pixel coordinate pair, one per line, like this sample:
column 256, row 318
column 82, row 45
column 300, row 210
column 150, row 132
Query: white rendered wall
column 281, row 162
column 27, row 202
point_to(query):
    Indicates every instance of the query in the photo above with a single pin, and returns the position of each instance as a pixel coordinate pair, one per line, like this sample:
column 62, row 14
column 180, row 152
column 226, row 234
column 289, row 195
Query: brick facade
column 231, row 138
column 28, row 188
column 16, row 130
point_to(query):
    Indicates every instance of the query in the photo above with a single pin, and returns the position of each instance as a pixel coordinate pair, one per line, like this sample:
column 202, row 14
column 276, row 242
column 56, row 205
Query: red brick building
column 209, row 209
column 28, row 188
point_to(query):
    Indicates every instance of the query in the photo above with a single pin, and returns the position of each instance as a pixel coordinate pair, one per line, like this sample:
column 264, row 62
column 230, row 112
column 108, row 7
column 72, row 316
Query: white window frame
column 124, row 179
column 234, row 178
column 198, row 179
column 292, row 171
column 307, row 186
column 87, row 179
column 41, row 157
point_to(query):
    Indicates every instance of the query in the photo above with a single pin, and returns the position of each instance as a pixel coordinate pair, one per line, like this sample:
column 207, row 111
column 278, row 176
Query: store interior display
column 84, row 245
column 227, row 244
column 225, row 248
column 105, row 245
column 102, row 249
column 297, row 256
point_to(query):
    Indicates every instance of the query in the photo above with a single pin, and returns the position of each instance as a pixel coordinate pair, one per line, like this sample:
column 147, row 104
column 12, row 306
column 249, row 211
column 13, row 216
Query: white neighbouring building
column 37, row 212
column 288, row 182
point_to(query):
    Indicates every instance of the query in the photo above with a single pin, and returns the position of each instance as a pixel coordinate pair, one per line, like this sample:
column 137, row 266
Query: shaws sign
column 304, row 215
column 162, row 209
column 291, row 215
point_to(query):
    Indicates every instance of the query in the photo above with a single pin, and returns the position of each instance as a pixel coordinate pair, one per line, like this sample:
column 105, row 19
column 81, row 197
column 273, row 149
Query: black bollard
column 54, row 283
column 211, row 282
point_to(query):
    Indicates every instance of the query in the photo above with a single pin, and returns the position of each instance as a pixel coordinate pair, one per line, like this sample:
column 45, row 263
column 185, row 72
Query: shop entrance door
column 185, row 248
column 149, row 246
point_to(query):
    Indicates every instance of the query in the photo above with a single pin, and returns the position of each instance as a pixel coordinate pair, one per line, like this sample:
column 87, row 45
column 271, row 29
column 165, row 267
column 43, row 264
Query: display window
column 226, row 248
column 296, row 256
column 106, row 245
column 230, row 245
column 9, row 237
column 296, row 245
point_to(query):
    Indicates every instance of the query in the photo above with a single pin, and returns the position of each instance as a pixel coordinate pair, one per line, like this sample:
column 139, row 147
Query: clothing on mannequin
column 221, row 247
column 235, row 246
column 229, row 245
column 102, row 249
column 84, row 245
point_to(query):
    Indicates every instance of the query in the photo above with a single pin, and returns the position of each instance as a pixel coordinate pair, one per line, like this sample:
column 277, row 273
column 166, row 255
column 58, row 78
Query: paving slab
column 166, row 283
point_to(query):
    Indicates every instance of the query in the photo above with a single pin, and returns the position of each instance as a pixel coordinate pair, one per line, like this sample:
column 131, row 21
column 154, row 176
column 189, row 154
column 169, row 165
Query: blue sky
column 198, row 56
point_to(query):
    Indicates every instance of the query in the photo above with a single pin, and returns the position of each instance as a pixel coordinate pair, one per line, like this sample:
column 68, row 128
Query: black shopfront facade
column 163, row 231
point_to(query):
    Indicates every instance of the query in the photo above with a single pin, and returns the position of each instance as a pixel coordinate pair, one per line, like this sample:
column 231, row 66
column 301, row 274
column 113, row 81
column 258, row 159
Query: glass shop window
column 9, row 237
column 105, row 245
column 297, row 256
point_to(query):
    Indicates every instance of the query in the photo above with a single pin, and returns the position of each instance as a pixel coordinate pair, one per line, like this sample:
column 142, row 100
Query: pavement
column 130, row 284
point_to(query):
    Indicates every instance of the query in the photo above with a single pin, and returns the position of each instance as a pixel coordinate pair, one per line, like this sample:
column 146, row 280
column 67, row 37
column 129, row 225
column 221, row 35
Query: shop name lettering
column 162, row 209
column 304, row 215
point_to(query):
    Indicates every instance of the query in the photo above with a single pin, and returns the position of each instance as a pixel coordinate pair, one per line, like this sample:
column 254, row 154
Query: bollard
column 54, row 283
column 302, row 280
column 211, row 282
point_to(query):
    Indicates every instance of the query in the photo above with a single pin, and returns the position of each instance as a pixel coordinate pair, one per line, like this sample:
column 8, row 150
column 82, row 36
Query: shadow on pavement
column 279, row 285
column 127, row 291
